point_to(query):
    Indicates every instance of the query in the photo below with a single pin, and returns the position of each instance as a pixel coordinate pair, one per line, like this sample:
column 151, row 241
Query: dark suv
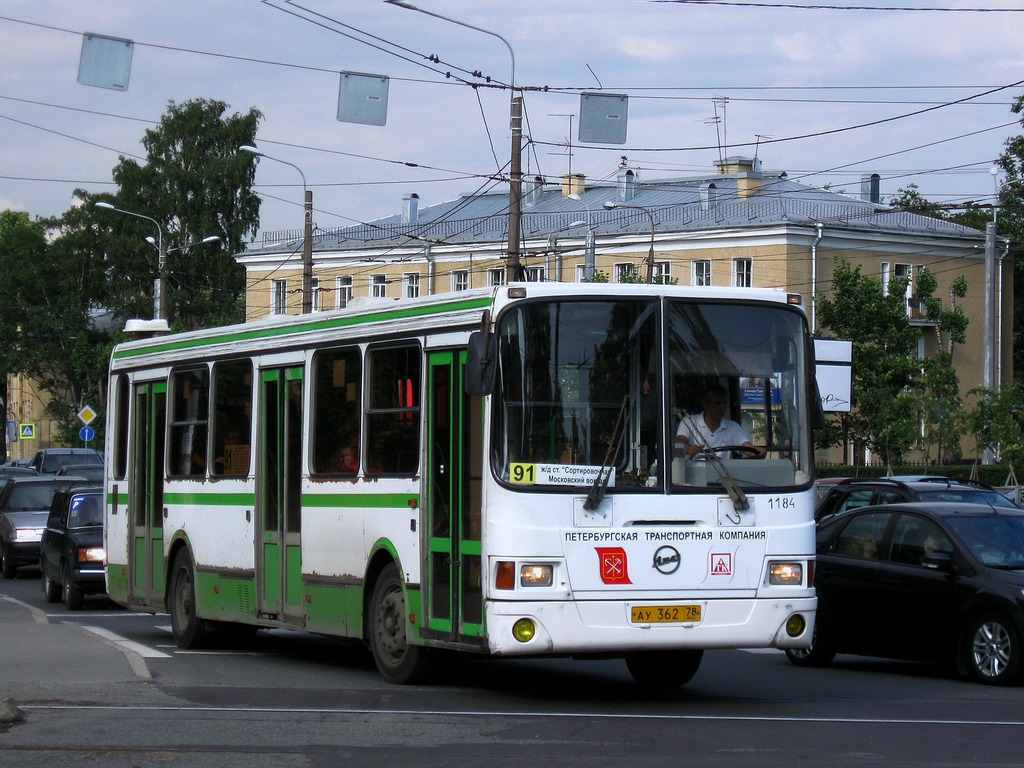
column 856, row 492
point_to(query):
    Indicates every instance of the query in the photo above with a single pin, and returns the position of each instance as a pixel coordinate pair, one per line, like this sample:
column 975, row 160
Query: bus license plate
column 663, row 614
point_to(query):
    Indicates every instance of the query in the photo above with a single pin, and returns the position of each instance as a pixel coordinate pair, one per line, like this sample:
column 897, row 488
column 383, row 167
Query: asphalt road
column 103, row 686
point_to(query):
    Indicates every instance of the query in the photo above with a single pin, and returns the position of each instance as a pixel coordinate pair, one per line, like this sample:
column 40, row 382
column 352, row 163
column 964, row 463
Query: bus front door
column 454, row 594
column 279, row 496
column 146, row 577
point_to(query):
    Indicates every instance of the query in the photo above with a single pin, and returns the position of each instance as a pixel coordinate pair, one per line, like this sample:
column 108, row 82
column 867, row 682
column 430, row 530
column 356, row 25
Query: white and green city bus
column 517, row 491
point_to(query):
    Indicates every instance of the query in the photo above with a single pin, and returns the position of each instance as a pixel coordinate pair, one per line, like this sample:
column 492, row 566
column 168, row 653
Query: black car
column 940, row 582
column 24, row 505
column 48, row 460
column 855, row 492
column 71, row 557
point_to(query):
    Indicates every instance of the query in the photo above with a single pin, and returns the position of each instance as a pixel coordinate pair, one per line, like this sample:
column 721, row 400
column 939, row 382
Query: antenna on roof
column 568, row 141
column 758, row 144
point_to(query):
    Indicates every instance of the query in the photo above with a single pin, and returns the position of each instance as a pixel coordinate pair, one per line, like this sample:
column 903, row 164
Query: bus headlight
column 785, row 574
column 536, row 575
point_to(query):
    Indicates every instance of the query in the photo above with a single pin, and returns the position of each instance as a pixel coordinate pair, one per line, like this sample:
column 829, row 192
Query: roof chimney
column 626, row 184
column 574, row 184
column 534, row 190
column 747, row 172
column 410, row 208
column 869, row 188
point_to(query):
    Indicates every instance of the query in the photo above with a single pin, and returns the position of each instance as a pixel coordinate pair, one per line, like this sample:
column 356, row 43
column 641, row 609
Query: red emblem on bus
column 613, row 565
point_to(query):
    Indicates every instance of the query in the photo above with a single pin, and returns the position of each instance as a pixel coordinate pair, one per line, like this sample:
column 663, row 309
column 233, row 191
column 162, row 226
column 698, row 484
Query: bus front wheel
column 188, row 628
column 398, row 660
column 664, row 670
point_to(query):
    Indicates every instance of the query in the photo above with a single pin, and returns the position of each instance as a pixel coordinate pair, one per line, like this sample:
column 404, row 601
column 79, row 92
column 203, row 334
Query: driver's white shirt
column 698, row 433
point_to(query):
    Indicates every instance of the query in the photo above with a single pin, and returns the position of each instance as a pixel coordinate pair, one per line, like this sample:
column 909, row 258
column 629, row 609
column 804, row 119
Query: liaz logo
column 613, row 565
column 667, row 560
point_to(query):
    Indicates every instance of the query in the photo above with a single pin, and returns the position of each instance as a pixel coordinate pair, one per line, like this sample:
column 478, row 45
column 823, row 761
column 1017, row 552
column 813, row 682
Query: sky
column 918, row 91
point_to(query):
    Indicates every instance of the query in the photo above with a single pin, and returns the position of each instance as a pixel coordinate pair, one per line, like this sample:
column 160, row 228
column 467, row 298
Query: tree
column 196, row 184
column 882, row 416
column 1010, row 199
column 50, row 320
column 997, row 420
column 940, row 405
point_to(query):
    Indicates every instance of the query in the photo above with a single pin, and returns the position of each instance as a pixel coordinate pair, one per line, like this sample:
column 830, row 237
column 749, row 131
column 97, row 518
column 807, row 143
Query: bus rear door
column 279, row 496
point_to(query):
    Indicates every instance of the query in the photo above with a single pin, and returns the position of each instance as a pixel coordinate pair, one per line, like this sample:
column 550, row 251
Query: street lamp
column 609, row 205
column 307, row 231
column 159, row 297
column 158, row 294
column 512, row 267
column 591, row 246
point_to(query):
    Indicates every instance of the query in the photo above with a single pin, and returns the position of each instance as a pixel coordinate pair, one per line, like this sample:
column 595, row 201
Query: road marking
column 127, row 645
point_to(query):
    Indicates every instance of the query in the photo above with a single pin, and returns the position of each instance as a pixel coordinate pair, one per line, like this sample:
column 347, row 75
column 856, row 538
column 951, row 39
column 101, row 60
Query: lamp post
column 512, row 265
column 158, row 293
column 307, row 230
column 590, row 251
column 609, row 205
column 159, row 296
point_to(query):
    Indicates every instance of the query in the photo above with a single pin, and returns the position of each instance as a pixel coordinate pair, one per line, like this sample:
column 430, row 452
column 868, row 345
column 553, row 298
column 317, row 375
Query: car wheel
column 821, row 652
column 993, row 650
column 398, row 660
column 73, row 595
column 7, row 564
column 189, row 630
column 664, row 670
column 52, row 590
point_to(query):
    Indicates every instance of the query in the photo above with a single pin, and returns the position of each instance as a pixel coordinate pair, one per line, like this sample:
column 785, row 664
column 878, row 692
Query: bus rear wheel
column 189, row 630
column 398, row 660
column 664, row 670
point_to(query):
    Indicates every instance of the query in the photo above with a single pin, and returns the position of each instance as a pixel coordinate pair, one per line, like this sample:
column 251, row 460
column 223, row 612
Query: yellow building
column 740, row 226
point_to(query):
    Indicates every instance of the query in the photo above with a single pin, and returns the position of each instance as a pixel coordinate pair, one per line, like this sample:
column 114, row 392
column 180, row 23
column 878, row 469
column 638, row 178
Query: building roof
column 743, row 199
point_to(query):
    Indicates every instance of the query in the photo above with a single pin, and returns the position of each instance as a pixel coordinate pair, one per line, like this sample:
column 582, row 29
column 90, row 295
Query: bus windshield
column 592, row 387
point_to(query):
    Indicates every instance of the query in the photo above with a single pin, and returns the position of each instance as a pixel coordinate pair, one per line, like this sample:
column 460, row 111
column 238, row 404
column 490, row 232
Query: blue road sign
column 87, row 433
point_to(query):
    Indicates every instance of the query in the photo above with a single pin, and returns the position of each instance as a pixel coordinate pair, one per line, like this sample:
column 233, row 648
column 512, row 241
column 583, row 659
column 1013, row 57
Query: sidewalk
column 49, row 661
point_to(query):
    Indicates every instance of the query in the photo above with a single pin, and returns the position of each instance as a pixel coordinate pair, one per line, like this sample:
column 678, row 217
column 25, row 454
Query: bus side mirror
column 481, row 359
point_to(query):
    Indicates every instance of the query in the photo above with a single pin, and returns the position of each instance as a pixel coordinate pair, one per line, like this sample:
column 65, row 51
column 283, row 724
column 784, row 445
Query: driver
column 710, row 429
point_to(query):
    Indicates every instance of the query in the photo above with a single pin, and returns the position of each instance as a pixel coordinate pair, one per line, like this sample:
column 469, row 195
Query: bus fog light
column 785, row 574
column 795, row 625
column 524, row 630
column 536, row 576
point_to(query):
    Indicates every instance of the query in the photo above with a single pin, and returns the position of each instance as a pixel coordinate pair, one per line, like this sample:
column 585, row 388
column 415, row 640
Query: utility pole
column 513, row 267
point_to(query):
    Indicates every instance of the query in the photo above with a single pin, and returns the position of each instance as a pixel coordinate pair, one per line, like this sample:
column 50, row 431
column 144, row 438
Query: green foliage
column 885, row 367
column 998, row 421
column 196, row 184
column 67, row 280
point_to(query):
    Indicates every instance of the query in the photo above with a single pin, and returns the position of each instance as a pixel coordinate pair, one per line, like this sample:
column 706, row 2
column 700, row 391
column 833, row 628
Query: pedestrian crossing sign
column 27, row 431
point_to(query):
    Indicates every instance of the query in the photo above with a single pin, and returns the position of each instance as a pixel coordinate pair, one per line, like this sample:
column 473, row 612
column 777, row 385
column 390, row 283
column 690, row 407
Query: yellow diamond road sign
column 87, row 414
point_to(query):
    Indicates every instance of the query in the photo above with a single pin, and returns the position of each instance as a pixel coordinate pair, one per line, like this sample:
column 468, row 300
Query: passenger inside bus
column 711, row 429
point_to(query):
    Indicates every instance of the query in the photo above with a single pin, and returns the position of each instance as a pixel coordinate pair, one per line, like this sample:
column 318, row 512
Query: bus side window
column 190, row 393
column 392, row 436
column 337, row 407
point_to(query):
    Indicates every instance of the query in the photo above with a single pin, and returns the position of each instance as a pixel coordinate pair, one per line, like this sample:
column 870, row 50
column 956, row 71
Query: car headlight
column 92, row 555
column 28, row 534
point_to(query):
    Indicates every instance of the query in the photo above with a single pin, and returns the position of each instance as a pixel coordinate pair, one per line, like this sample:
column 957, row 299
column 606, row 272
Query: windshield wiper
column 600, row 486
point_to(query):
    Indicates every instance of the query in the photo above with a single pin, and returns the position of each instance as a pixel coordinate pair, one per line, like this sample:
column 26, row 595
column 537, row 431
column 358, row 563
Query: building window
column 343, row 288
column 662, row 272
column 460, row 280
column 278, row 296
column 742, row 273
column 314, row 292
column 411, row 285
column 581, row 273
column 496, row 276
column 701, row 272
column 625, row 273
column 379, row 286
column 535, row 275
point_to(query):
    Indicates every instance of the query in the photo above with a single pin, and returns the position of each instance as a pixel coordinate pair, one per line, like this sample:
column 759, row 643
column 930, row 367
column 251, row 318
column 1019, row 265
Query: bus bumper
column 603, row 627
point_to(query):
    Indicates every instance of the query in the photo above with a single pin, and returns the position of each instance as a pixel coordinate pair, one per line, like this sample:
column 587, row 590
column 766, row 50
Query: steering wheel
column 751, row 451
